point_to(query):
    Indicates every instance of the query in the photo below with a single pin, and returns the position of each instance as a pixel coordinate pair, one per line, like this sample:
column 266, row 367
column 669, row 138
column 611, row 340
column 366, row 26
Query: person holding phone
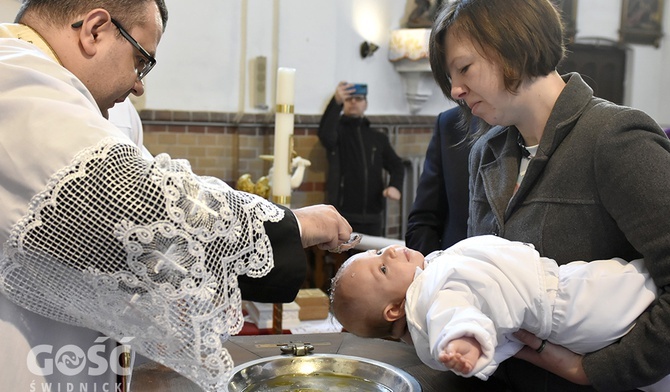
column 357, row 158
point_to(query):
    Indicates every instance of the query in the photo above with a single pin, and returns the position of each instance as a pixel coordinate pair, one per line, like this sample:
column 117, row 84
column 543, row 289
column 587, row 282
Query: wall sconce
column 408, row 51
column 368, row 49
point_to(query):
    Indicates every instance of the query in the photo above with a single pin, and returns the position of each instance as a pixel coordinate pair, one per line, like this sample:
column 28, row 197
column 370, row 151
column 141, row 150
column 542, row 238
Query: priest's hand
column 323, row 226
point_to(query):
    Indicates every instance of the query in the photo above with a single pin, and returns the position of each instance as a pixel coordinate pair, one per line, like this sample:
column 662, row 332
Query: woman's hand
column 556, row 359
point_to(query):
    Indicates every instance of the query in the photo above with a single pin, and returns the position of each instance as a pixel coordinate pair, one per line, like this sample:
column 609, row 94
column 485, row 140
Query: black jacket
column 357, row 156
column 439, row 215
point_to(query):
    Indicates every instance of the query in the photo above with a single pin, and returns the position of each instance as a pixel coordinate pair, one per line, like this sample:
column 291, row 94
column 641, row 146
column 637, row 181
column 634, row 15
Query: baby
column 460, row 307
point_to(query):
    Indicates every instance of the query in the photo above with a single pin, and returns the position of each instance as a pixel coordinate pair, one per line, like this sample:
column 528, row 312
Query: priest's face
column 122, row 63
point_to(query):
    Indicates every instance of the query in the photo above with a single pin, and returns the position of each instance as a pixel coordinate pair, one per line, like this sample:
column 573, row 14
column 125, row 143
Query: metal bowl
column 320, row 372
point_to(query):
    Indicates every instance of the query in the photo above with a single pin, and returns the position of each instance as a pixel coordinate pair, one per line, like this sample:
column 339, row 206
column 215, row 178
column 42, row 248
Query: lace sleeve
column 142, row 249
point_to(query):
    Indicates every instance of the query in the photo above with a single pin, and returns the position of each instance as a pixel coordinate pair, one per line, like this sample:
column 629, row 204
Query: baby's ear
column 394, row 311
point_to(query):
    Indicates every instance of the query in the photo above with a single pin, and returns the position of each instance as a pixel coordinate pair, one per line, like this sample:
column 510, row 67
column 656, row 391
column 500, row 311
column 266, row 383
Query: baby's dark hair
column 353, row 312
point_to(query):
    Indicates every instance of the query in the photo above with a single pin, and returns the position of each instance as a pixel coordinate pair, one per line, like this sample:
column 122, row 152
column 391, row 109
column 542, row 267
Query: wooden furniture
column 602, row 64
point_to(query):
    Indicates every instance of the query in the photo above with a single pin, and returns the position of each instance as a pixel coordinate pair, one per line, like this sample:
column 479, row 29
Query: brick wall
column 226, row 146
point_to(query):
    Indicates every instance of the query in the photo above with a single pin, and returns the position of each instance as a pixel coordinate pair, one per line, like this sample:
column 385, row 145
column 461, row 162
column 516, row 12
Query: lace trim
column 142, row 249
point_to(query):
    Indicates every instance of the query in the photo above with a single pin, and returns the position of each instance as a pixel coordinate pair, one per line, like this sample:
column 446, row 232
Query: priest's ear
column 95, row 22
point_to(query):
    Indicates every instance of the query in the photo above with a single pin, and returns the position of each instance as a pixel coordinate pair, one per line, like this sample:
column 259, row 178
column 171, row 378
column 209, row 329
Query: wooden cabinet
column 602, row 64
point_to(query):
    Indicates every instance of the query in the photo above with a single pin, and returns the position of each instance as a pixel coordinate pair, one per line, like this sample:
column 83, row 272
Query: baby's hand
column 461, row 355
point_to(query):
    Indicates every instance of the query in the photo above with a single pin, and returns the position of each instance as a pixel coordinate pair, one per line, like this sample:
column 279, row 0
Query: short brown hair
column 525, row 37
column 61, row 12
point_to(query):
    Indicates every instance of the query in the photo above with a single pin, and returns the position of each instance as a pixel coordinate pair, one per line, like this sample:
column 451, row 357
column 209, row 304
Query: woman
column 577, row 176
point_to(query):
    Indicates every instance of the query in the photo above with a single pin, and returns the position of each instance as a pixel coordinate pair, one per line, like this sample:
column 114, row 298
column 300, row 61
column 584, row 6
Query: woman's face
column 478, row 82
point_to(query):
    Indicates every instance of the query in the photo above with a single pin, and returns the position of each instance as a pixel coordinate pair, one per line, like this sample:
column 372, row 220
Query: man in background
column 357, row 158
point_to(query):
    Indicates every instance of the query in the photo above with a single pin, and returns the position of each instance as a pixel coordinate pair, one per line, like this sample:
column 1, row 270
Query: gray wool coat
column 597, row 188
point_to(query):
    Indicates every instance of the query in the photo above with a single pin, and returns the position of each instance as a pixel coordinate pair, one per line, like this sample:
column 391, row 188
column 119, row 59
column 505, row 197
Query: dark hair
column 128, row 12
column 525, row 37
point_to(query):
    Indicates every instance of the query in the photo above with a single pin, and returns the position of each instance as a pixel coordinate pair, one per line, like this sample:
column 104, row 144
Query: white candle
column 281, row 175
column 285, row 86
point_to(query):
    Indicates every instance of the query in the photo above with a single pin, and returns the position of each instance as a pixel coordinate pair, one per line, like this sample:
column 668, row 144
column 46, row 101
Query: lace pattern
column 142, row 249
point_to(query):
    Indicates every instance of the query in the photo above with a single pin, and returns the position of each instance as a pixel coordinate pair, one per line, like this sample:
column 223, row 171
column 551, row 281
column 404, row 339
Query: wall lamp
column 368, row 49
column 408, row 51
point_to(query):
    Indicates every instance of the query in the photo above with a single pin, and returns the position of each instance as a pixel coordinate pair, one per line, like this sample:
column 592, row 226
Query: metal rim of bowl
column 411, row 382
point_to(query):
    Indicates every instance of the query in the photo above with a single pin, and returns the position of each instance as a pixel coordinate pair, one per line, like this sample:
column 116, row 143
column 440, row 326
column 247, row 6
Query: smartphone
column 360, row 89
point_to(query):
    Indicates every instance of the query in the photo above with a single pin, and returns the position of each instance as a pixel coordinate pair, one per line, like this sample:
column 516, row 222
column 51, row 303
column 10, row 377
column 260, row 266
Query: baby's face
column 385, row 273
